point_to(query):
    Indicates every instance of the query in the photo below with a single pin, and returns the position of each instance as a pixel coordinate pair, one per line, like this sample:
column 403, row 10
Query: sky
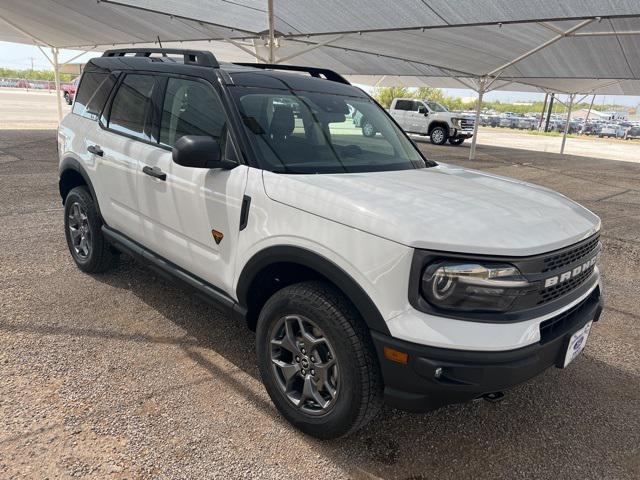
column 14, row 55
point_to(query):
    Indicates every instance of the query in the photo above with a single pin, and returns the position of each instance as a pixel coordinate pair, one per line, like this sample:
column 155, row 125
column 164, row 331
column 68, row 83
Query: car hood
column 442, row 208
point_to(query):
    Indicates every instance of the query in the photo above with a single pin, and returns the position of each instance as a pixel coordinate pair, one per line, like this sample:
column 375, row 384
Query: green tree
column 385, row 95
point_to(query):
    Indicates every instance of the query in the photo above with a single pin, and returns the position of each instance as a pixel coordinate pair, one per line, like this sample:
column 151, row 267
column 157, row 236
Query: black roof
column 204, row 64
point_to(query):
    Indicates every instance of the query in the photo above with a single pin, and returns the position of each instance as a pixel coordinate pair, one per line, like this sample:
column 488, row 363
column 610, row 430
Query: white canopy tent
column 573, row 46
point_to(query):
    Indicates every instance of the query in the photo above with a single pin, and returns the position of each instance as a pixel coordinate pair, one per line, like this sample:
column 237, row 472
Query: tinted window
column 404, row 105
column 132, row 107
column 309, row 132
column 190, row 108
column 93, row 93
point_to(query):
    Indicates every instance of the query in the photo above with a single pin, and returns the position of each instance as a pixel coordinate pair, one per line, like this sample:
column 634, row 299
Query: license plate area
column 576, row 344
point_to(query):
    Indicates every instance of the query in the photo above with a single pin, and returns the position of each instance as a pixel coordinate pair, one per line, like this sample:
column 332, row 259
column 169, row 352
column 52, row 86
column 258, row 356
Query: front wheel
column 67, row 98
column 456, row 141
column 438, row 136
column 317, row 360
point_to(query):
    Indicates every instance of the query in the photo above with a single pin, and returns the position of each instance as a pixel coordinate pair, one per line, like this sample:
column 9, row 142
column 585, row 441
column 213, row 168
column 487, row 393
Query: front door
column 191, row 216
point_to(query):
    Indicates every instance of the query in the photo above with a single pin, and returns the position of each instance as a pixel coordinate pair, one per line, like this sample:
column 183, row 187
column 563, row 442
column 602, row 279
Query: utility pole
column 32, row 60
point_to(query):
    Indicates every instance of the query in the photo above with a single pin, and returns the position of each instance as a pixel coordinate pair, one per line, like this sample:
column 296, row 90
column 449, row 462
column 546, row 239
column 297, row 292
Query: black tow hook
column 493, row 397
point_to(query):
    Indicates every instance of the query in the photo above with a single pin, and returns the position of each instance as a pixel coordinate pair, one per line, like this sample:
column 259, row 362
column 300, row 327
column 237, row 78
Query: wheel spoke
column 323, row 373
column 289, row 370
column 75, row 233
column 310, row 392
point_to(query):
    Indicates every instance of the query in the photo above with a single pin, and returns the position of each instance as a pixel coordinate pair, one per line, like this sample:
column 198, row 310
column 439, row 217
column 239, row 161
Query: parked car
column 369, row 272
column 611, row 130
column 426, row 117
column 69, row 90
column 632, row 133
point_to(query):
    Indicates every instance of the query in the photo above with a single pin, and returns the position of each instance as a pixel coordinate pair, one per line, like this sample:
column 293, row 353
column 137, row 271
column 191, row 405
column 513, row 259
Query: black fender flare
column 70, row 163
column 325, row 267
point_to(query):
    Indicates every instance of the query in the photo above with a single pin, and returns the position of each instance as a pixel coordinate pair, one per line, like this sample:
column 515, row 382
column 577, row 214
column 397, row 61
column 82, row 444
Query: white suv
column 368, row 272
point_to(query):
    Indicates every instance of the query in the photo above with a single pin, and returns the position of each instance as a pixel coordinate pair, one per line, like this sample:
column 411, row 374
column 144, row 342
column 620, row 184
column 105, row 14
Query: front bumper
column 462, row 133
column 470, row 374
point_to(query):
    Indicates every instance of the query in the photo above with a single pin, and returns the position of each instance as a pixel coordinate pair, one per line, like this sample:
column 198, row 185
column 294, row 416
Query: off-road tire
column 359, row 387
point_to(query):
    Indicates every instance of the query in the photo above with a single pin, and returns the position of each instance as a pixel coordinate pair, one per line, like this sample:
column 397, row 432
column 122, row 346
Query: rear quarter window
column 93, row 93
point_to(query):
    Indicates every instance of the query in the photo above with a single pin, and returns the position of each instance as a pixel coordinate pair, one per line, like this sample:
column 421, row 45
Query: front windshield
column 436, row 107
column 310, row 132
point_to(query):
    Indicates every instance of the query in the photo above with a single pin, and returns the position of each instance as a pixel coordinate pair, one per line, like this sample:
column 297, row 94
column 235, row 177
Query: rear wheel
column 317, row 360
column 438, row 136
column 456, row 141
column 83, row 230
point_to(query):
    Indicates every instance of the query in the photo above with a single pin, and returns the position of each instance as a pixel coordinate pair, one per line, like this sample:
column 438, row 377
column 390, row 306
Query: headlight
column 456, row 122
column 471, row 286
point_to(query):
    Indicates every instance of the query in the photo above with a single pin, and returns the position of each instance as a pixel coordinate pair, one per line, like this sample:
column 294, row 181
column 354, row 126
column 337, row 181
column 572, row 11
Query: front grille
column 466, row 123
column 569, row 256
column 556, row 291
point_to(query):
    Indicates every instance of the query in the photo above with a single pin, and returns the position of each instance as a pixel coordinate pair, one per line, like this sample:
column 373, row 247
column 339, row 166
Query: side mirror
column 199, row 151
column 423, row 110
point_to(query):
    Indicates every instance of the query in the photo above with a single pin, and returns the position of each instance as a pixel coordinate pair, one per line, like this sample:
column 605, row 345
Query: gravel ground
column 123, row 375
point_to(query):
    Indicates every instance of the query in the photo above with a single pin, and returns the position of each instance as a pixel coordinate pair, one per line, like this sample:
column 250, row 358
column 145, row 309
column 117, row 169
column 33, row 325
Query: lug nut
column 297, row 359
column 313, row 372
column 303, row 351
column 304, row 372
column 313, row 359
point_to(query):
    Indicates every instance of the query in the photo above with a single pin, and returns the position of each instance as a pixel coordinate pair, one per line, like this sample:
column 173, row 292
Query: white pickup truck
column 425, row 117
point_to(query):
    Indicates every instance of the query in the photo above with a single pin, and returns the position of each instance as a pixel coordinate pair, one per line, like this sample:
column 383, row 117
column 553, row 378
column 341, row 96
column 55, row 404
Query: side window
column 403, row 105
column 93, row 94
column 190, row 108
column 132, row 107
column 415, row 106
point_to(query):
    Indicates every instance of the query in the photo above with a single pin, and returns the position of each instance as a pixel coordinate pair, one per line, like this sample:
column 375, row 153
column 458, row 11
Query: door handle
column 154, row 172
column 95, row 149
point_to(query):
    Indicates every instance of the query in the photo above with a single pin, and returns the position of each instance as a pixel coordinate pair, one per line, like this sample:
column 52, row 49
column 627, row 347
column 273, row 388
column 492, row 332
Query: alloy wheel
column 79, row 231
column 304, row 364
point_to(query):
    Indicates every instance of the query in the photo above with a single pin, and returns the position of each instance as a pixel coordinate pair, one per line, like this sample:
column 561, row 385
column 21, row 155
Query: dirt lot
column 123, row 375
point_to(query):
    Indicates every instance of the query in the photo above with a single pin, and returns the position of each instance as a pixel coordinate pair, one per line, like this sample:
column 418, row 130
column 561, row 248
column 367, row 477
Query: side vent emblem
column 217, row 236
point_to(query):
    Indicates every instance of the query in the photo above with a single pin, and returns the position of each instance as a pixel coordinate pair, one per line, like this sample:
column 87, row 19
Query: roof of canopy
column 573, row 46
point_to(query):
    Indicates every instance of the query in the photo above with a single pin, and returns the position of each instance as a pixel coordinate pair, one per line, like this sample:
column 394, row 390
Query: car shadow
column 561, row 417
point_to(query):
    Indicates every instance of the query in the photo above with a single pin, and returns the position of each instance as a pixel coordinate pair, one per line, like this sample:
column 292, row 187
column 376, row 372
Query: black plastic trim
column 171, row 271
column 320, row 264
column 244, row 212
column 71, row 163
column 467, row 374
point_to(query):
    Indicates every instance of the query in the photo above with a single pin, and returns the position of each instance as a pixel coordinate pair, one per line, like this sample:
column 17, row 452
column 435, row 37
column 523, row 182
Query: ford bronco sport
column 368, row 272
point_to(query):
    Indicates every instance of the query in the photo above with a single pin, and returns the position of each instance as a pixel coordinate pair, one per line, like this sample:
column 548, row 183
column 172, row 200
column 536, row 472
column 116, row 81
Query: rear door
column 191, row 216
column 127, row 136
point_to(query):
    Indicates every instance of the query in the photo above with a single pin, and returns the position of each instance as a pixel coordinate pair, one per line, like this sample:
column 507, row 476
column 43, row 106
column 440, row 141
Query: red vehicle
column 69, row 90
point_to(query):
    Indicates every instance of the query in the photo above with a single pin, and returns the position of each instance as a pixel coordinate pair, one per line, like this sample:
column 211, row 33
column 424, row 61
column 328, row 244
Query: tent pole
column 589, row 111
column 566, row 127
column 272, row 39
column 544, row 109
column 482, row 85
column 546, row 125
column 56, row 73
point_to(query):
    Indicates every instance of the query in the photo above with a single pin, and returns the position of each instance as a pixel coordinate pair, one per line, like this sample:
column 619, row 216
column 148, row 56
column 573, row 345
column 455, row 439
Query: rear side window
column 190, row 108
column 132, row 107
column 93, row 93
column 404, row 105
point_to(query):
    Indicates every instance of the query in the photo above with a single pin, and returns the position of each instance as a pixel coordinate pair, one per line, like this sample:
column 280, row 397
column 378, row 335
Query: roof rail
column 191, row 57
column 314, row 72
